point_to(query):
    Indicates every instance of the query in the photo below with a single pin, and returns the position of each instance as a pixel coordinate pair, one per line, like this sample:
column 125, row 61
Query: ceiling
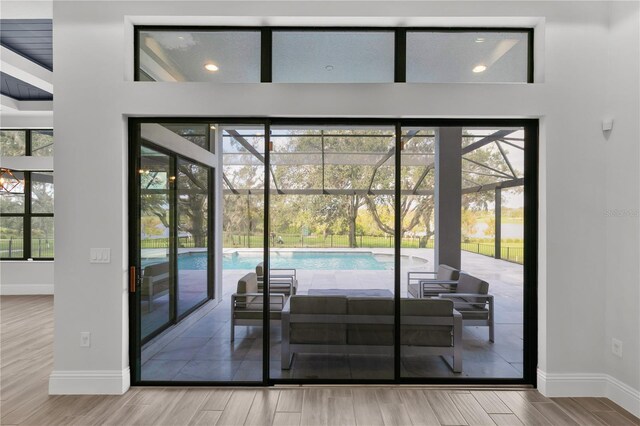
column 27, row 61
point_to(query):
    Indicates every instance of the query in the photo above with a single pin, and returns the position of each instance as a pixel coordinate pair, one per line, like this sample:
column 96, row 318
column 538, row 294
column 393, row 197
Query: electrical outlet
column 616, row 347
column 85, row 339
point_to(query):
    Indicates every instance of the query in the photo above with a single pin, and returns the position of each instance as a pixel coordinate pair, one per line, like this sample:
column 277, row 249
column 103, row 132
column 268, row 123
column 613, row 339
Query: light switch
column 100, row 255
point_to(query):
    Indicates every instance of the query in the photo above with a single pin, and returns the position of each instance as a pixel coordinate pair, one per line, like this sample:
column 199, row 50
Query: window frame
column 27, row 215
column 266, row 42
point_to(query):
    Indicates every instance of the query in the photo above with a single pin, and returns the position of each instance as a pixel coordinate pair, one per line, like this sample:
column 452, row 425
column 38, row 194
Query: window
column 20, row 143
column 203, row 55
column 467, row 57
column 26, row 215
column 333, row 57
column 13, row 143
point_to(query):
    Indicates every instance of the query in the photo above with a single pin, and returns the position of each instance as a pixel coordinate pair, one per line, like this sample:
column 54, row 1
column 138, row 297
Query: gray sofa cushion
column 426, row 335
column 370, row 334
column 318, row 333
column 448, row 273
column 470, row 284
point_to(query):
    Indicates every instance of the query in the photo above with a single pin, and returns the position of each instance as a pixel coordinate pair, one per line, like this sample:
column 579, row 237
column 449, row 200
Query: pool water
column 290, row 259
column 308, row 260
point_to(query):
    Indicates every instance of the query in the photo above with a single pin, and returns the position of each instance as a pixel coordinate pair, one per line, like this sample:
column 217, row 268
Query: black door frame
column 530, row 266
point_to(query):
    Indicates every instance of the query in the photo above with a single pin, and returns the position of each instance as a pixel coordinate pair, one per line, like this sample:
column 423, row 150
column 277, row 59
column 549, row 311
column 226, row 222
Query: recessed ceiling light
column 329, row 68
column 211, row 67
column 479, row 68
column 480, row 40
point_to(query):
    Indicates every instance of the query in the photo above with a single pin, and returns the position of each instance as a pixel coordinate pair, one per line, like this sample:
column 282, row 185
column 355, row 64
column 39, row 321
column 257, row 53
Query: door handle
column 132, row 279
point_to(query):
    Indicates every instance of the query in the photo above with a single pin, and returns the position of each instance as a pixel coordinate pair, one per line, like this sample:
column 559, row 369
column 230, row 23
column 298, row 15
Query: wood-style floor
column 26, row 361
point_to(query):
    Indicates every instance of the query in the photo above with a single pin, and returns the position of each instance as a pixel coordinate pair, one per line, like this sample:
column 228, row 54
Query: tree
column 193, row 201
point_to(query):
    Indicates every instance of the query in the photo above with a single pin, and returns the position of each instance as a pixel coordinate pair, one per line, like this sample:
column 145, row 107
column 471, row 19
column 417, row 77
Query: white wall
column 94, row 94
column 25, row 277
column 622, row 197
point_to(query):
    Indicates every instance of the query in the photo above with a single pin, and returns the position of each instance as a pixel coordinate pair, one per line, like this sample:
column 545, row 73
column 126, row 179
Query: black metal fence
column 511, row 254
column 14, row 248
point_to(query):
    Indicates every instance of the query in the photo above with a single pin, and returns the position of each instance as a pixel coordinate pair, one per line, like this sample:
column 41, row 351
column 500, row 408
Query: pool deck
column 199, row 348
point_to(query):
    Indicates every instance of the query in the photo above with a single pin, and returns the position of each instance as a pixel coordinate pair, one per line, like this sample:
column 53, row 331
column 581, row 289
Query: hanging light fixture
column 8, row 181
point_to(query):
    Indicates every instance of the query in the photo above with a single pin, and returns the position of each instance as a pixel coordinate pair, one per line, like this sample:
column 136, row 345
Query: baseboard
column 595, row 385
column 96, row 382
column 25, row 289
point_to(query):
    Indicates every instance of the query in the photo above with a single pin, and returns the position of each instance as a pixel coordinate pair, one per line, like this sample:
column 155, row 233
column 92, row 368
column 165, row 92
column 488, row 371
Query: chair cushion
column 248, row 284
column 448, row 273
column 260, row 269
column 318, row 333
column 370, row 334
column 470, row 284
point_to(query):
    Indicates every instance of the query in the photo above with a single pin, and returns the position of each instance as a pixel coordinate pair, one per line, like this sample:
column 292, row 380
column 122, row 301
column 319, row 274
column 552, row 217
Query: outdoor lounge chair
column 281, row 280
column 247, row 304
column 423, row 284
column 364, row 325
column 472, row 299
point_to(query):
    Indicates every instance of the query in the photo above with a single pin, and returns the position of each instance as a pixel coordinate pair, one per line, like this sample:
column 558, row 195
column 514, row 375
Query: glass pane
column 12, row 191
column 459, row 57
column 11, row 237
column 243, row 149
column 42, row 237
column 155, row 242
column 333, row 57
column 42, row 143
column 296, row 159
column 195, row 133
column 210, row 56
column 461, row 321
column 331, row 253
column 13, row 143
column 492, row 220
column 42, row 192
column 193, row 255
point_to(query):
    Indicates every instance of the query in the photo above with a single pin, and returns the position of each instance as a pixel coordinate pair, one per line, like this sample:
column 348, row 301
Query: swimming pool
column 313, row 260
column 309, row 260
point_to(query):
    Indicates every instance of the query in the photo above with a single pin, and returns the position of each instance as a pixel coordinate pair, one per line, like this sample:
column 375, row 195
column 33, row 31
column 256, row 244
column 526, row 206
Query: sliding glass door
column 331, row 252
column 347, row 251
column 172, row 257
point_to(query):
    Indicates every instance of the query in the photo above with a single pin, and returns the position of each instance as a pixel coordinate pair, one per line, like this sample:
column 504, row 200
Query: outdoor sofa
column 364, row 325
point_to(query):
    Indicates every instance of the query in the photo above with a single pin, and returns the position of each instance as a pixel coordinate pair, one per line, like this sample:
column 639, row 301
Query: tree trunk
column 352, row 233
column 354, row 205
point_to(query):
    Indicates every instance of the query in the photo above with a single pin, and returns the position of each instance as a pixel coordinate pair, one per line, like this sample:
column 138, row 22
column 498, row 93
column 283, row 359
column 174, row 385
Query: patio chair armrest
column 451, row 283
column 294, row 271
column 457, row 295
column 281, row 278
column 421, row 273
